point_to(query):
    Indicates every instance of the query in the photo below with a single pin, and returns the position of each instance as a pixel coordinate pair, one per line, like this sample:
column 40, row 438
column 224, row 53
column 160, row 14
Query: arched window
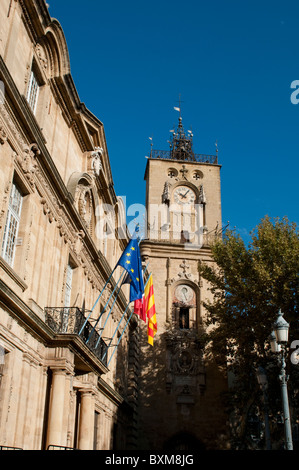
column 185, row 307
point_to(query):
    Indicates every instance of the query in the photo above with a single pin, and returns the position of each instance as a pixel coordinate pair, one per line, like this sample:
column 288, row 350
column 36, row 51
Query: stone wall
column 55, row 389
column 181, row 386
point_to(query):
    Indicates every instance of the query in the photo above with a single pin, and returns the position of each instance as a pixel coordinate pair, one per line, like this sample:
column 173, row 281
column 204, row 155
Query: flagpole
column 120, row 338
column 119, row 323
column 87, row 318
column 147, row 280
column 122, row 275
column 116, row 330
column 125, row 326
column 101, row 293
column 109, row 313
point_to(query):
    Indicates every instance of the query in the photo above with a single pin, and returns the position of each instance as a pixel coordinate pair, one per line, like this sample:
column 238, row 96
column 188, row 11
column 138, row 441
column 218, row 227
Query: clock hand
column 184, row 195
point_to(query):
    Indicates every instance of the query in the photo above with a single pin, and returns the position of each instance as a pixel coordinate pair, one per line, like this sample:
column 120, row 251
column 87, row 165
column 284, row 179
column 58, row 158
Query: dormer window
column 33, row 91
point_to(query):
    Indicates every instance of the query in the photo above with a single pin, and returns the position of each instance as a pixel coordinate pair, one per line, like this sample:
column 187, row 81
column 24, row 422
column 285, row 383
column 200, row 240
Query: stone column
column 86, row 424
column 56, row 411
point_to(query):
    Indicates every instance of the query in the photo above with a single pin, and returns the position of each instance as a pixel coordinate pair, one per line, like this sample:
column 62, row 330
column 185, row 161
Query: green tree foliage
column 249, row 285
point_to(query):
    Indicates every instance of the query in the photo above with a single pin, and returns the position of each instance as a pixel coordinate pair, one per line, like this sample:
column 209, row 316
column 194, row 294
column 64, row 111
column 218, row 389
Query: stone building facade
column 62, row 230
column 56, row 186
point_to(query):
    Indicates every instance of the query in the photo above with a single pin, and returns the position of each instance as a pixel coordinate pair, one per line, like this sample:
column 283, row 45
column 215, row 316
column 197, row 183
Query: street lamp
column 281, row 329
column 275, row 347
column 278, row 345
column 263, row 383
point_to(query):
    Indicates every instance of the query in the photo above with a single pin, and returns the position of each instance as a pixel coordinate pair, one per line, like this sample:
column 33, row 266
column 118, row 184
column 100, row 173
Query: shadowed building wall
column 181, row 387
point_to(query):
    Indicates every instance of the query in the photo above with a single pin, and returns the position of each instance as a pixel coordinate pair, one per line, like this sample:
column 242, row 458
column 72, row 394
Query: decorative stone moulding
column 95, row 161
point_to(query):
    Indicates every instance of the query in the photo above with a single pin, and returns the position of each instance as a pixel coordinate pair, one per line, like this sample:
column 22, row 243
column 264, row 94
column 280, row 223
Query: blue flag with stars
column 130, row 260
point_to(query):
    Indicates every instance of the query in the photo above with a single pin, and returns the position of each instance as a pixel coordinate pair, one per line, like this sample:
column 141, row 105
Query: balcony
column 69, row 321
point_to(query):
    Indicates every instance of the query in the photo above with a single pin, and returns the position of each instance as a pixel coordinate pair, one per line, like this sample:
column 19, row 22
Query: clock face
column 184, row 195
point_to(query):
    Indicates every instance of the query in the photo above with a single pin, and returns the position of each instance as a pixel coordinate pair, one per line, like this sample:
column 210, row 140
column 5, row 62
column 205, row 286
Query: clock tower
column 180, row 387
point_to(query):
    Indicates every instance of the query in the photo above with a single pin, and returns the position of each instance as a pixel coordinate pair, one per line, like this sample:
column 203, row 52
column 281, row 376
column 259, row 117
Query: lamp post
column 278, row 345
column 263, row 383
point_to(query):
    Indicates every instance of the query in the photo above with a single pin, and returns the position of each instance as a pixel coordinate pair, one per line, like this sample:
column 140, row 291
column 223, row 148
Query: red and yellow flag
column 139, row 308
column 150, row 310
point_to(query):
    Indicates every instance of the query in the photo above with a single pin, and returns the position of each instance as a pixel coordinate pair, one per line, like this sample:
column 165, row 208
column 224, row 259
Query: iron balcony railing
column 60, row 448
column 70, row 320
column 199, row 158
column 10, row 448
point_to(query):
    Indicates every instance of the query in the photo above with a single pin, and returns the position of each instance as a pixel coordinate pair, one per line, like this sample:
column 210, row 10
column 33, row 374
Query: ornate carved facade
column 60, row 384
column 56, row 389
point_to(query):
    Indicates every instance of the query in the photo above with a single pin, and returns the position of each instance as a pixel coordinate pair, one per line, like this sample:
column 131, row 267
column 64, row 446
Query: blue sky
column 231, row 61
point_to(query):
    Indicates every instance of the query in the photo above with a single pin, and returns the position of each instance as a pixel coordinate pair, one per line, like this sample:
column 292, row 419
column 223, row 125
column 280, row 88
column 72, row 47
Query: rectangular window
column 12, row 225
column 33, row 91
column 184, row 318
column 68, row 285
column 67, row 298
column 2, row 362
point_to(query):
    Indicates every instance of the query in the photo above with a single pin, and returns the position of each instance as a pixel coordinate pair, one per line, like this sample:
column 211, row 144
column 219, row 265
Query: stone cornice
column 12, row 274
column 75, row 344
column 165, row 247
column 65, row 93
column 24, row 314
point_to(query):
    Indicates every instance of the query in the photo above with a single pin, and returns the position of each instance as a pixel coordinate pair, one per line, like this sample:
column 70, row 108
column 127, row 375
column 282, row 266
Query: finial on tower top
column 179, row 109
column 181, row 143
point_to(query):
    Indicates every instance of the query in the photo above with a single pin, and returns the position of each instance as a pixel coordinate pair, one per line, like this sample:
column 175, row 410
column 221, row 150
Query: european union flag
column 130, row 260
